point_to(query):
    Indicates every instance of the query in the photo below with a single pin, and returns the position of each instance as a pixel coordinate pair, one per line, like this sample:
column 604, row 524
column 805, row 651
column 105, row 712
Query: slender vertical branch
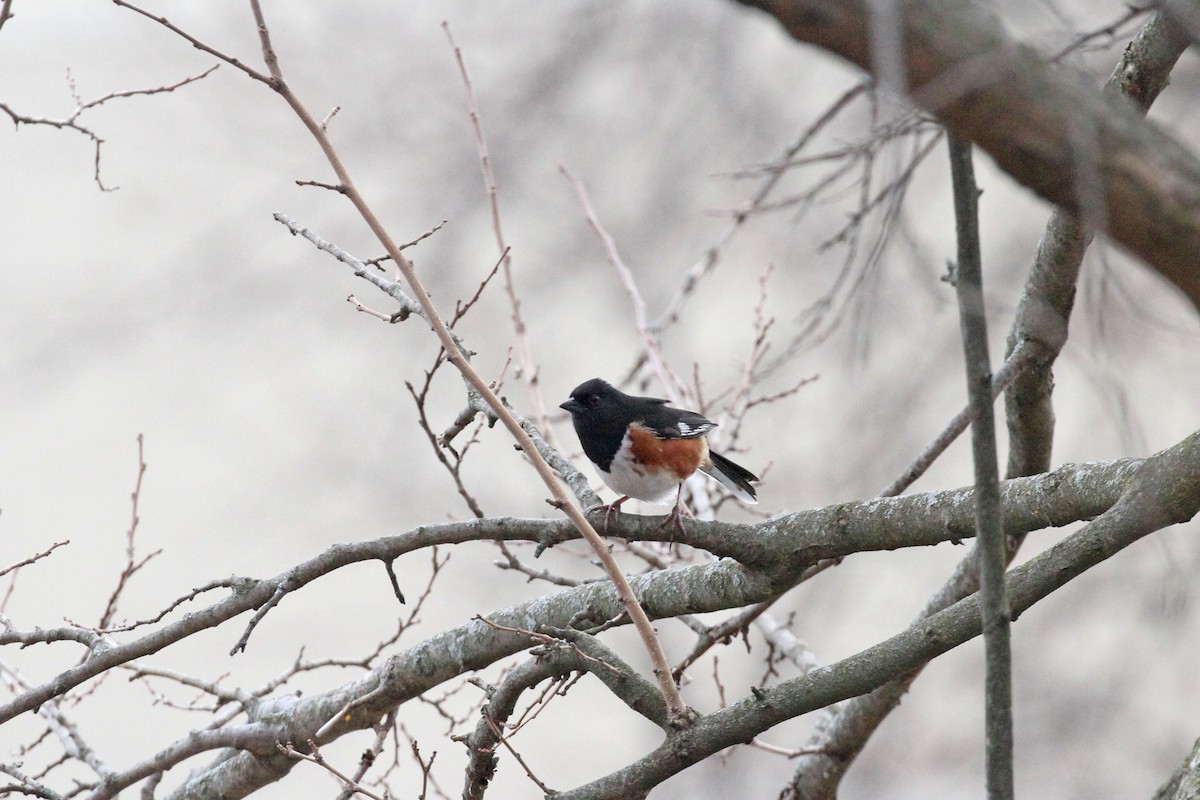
column 529, row 368
column 650, row 340
column 1141, row 74
column 990, row 551
column 456, row 356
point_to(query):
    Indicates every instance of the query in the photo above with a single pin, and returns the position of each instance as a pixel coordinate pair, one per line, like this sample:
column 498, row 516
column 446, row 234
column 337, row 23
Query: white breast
column 626, row 476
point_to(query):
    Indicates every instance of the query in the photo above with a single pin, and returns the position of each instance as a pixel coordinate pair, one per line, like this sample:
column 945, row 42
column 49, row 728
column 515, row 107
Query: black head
column 601, row 415
column 594, row 398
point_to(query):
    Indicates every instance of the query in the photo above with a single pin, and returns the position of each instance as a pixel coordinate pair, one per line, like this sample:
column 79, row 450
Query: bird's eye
column 593, row 400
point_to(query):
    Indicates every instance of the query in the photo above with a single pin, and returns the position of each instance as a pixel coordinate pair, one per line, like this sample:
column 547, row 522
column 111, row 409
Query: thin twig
column 543, row 638
column 32, row 559
column 329, row 117
column 529, row 369
column 220, row 583
column 196, row 43
column 131, row 565
column 315, row 757
column 669, row 381
column 461, row 308
column 71, row 121
column 426, row 767
column 26, row 784
column 556, row 687
column 528, row 770
column 1109, row 31
column 1008, row 372
column 454, row 468
column 263, row 610
column 774, row 174
column 512, row 562
column 789, row 752
column 375, row 262
column 358, row 306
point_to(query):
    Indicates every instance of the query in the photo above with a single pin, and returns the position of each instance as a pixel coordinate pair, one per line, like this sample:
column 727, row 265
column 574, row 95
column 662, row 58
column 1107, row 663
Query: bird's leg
column 675, row 518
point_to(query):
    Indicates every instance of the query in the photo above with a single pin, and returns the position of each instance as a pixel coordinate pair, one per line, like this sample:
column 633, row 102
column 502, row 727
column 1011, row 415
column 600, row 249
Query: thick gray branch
column 784, row 545
column 470, row 647
column 779, row 547
column 1165, row 491
column 255, row 737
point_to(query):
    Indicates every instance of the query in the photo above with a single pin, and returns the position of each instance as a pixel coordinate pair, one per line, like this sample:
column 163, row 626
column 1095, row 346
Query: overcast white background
column 276, row 420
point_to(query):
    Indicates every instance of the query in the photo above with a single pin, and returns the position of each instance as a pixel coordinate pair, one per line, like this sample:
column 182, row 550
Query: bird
column 643, row 449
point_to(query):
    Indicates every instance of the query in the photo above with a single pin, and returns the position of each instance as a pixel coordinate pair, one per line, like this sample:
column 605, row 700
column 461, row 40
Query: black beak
column 572, row 405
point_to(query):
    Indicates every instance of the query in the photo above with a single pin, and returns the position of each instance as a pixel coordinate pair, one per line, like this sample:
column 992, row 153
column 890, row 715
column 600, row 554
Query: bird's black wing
column 674, row 423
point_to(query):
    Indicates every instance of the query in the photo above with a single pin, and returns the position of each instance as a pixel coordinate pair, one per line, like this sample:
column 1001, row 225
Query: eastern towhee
column 643, row 450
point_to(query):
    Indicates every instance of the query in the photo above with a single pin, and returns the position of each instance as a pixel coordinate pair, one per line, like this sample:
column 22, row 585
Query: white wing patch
column 687, row 431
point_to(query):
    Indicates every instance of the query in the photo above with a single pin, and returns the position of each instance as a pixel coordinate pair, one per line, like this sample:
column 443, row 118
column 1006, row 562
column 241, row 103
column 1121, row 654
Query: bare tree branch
column 712, row 567
column 132, row 565
column 1007, row 373
column 5, row 12
column 1038, row 335
column 71, row 121
column 963, row 67
column 1184, row 783
column 775, row 172
column 258, row 737
column 1165, row 491
column 32, row 559
column 1066, row 495
column 670, row 382
column 529, row 371
column 25, row 784
column 1049, row 295
column 579, row 653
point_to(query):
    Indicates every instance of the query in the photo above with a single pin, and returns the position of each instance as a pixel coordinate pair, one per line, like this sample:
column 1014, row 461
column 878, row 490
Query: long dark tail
column 733, row 477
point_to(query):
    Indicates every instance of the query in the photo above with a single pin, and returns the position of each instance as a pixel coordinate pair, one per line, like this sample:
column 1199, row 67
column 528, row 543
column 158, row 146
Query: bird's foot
column 674, row 520
column 611, row 511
